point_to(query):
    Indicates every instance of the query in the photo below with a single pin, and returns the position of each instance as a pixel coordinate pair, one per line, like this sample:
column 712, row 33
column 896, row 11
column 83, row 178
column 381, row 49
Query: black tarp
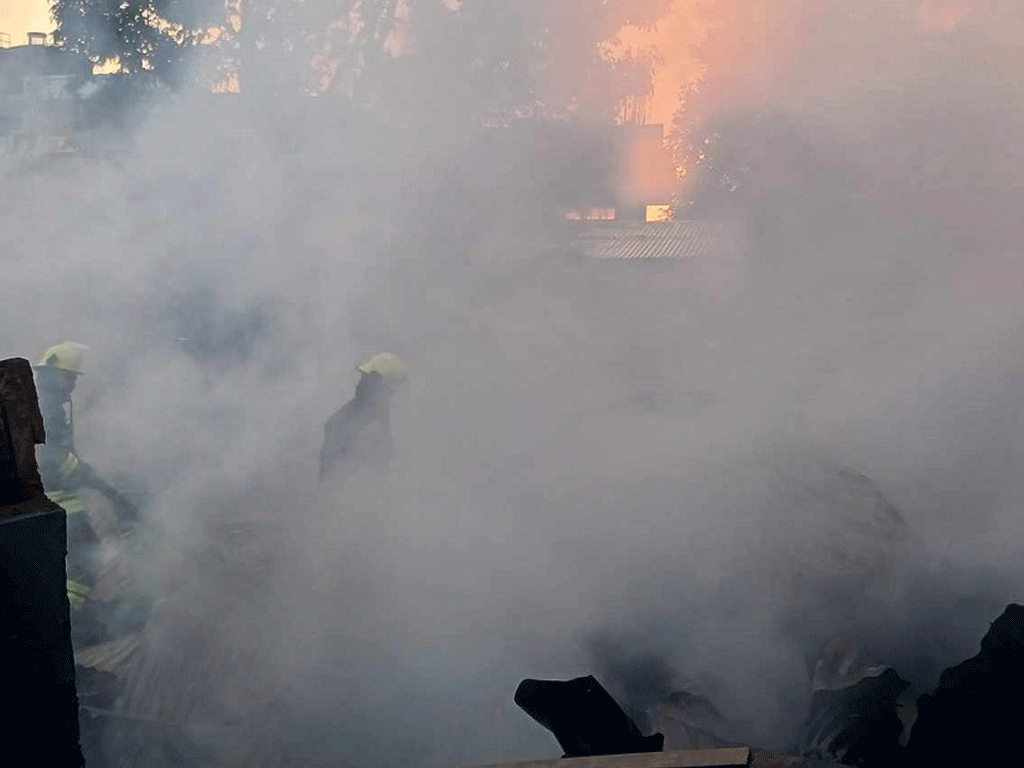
column 583, row 717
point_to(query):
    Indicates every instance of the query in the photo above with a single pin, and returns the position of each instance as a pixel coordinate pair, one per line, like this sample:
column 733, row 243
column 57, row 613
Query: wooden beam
column 728, row 757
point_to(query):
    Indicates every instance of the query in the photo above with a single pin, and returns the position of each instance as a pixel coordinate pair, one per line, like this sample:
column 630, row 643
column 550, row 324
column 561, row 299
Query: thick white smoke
column 638, row 452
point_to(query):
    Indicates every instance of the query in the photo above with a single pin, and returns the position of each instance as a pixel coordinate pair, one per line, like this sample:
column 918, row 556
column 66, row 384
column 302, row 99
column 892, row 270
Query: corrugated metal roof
column 662, row 240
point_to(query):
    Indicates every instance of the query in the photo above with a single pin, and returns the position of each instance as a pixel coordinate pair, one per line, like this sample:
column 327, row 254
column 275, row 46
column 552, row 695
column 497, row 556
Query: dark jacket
column 359, row 432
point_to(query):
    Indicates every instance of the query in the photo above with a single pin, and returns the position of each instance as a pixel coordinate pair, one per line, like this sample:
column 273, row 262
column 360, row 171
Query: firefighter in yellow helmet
column 361, row 429
column 64, row 474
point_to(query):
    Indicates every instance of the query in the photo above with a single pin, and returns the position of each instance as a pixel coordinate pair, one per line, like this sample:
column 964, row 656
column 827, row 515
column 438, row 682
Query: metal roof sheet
column 662, row 240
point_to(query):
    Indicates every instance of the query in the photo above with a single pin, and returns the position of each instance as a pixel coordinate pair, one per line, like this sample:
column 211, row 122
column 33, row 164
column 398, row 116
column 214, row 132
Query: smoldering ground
column 641, row 452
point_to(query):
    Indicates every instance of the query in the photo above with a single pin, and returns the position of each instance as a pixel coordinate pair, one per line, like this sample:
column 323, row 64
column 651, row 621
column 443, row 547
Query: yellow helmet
column 389, row 366
column 66, row 356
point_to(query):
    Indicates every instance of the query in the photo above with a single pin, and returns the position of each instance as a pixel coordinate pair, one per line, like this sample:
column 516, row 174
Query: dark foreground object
column 857, row 725
column 974, row 716
column 39, row 705
column 584, row 718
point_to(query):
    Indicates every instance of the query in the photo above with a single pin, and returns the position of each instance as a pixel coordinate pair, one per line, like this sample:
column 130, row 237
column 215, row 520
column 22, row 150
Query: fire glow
column 672, row 40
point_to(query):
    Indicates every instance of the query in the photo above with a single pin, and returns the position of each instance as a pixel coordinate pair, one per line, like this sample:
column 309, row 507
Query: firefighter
column 360, row 431
column 64, row 474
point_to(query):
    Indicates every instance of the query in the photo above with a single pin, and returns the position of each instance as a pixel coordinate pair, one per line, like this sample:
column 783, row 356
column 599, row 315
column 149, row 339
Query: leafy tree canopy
column 140, row 35
column 480, row 57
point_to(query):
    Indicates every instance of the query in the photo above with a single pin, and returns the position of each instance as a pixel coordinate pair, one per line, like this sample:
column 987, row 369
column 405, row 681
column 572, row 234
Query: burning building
column 640, row 179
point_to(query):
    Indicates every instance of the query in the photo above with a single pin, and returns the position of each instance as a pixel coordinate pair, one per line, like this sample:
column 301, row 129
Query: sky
column 662, row 459
column 19, row 17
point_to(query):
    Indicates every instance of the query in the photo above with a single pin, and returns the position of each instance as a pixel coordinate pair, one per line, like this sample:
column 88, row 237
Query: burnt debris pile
column 858, row 715
column 858, row 724
column 690, row 721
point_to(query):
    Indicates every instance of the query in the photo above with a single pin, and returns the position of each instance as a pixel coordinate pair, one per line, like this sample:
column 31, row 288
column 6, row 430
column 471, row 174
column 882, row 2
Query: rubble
column 763, row 759
column 584, row 718
column 690, row 721
column 176, row 695
column 134, row 693
column 855, row 709
column 112, row 656
column 856, row 725
column 972, row 717
column 858, row 716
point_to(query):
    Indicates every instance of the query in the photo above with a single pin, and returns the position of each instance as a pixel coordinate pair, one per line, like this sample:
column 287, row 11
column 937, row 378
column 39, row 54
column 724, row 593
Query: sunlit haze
column 711, row 419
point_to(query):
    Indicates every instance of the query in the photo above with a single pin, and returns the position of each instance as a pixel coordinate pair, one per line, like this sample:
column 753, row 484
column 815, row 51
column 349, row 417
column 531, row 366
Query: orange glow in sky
column 672, row 39
column 946, row 15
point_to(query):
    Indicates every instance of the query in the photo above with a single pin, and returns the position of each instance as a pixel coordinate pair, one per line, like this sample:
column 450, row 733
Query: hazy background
column 598, row 463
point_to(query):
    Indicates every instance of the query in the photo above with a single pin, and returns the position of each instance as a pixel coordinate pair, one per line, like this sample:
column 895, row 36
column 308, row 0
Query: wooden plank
column 689, row 758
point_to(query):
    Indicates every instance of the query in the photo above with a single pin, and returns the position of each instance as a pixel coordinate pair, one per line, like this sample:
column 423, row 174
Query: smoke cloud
column 644, row 471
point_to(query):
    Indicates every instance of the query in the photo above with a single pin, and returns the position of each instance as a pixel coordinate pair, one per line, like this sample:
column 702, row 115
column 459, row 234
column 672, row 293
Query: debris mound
column 858, row 724
column 973, row 716
column 690, row 721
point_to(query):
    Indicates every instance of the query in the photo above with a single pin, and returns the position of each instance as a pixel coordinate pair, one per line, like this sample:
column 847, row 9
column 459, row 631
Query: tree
column 303, row 47
column 501, row 60
column 140, row 35
column 495, row 58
